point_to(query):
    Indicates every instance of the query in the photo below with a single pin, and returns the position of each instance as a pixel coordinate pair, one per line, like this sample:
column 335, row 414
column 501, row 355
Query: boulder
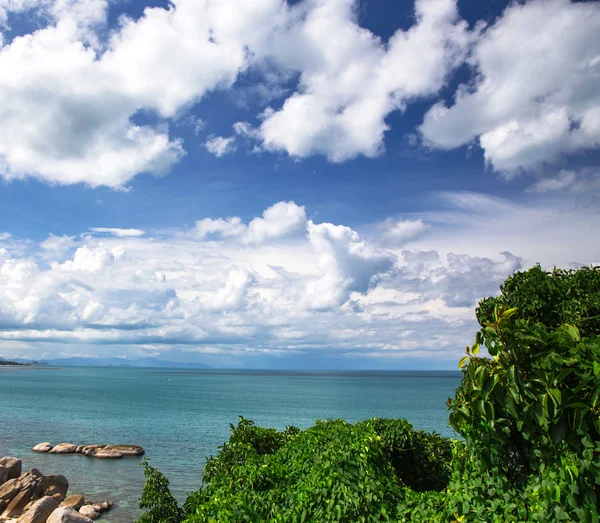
column 10, row 489
column 64, row 448
column 90, row 450
column 79, row 449
column 106, row 506
column 58, row 497
column 60, row 482
column 42, row 447
column 17, row 506
column 40, row 511
column 2, row 505
column 10, row 468
column 89, row 512
column 108, row 454
column 67, row 515
column 74, row 501
column 127, row 450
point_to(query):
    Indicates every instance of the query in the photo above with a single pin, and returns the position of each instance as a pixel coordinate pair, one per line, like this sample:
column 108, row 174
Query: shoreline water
column 180, row 417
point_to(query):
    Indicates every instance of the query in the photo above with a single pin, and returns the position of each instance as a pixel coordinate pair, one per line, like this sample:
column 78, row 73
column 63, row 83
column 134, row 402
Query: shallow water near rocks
column 182, row 416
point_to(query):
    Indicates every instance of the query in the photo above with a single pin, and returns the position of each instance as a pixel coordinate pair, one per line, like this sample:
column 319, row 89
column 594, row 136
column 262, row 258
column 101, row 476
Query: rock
column 61, row 483
column 79, row 449
column 40, row 511
column 97, row 507
column 10, row 468
column 64, row 448
column 42, row 447
column 108, row 454
column 106, row 506
column 58, row 497
column 2, row 505
column 90, row 450
column 127, row 450
column 67, row 515
column 10, row 489
column 17, row 505
column 89, row 512
column 74, row 501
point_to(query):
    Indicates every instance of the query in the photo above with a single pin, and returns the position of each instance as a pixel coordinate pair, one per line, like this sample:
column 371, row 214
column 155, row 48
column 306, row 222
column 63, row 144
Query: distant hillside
column 9, row 362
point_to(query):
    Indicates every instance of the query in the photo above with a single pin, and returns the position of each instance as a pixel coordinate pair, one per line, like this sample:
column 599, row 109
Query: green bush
column 529, row 416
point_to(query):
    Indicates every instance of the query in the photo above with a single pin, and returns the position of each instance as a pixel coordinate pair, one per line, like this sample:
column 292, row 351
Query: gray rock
column 127, row 450
column 10, row 468
column 43, row 447
column 90, row 450
column 67, row 515
column 64, row 448
column 89, row 512
column 17, row 506
column 108, row 454
column 40, row 511
column 10, row 489
column 61, row 483
column 74, row 501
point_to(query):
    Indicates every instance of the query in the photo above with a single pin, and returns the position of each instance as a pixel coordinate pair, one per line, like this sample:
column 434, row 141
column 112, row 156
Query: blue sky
column 319, row 183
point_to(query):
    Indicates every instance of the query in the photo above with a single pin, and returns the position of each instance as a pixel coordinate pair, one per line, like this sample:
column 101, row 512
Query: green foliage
column 333, row 471
column 551, row 298
column 529, row 415
column 160, row 505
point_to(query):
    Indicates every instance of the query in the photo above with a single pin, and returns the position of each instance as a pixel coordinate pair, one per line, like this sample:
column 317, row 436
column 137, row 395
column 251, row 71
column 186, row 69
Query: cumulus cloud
column 347, row 90
column 220, row 146
column 399, row 232
column 231, row 288
column 536, row 92
column 281, row 220
column 69, row 95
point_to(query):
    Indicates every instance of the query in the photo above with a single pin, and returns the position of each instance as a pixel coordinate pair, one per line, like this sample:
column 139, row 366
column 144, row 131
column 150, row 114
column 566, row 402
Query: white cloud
column 115, row 231
column 536, row 93
column 283, row 219
column 399, row 232
column 300, row 287
column 349, row 87
column 220, row 146
column 68, row 98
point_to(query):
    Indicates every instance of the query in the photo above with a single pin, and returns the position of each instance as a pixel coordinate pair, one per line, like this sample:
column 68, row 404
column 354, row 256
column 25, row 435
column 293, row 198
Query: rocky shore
column 33, row 497
column 98, row 451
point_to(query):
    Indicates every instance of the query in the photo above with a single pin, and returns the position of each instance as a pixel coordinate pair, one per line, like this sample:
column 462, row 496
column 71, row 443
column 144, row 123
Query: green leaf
column 509, row 313
column 462, row 362
column 557, row 396
column 573, row 332
column 475, row 349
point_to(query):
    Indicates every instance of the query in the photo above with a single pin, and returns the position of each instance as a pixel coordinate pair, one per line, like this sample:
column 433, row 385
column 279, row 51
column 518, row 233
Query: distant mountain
column 122, row 362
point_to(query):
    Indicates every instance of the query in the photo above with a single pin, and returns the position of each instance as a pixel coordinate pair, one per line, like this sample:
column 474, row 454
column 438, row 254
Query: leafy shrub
column 157, row 499
column 551, row 298
column 529, row 415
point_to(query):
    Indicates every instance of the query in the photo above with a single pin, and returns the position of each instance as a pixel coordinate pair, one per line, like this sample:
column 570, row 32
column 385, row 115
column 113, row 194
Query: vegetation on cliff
column 529, row 416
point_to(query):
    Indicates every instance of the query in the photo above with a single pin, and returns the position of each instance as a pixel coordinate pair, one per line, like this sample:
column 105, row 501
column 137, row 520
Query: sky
column 287, row 184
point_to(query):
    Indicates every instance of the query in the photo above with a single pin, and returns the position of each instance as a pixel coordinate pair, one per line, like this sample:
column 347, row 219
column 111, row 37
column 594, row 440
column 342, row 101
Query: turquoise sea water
column 182, row 416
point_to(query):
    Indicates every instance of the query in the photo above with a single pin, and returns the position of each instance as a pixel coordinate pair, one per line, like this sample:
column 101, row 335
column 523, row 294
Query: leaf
column 475, row 349
column 573, row 332
column 462, row 362
column 509, row 313
column 557, row 396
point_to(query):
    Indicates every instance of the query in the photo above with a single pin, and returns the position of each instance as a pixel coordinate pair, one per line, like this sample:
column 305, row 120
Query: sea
column 182, row 416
